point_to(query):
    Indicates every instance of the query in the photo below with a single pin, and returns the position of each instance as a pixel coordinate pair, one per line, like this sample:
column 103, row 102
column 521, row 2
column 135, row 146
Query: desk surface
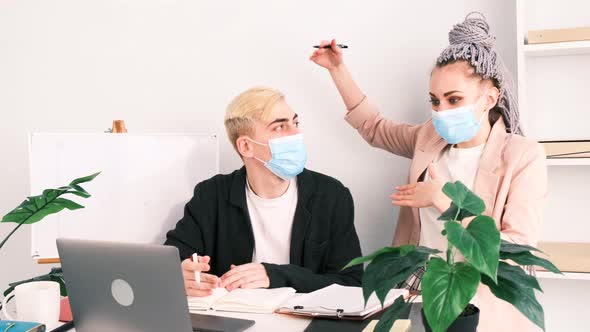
column 290, row 323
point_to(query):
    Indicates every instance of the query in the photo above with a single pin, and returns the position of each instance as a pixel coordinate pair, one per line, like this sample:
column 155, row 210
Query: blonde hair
column 254, row 104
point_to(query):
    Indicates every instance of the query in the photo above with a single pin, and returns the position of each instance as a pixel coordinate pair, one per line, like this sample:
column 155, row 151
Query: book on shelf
column 567, row 149
column 568, row 256
column 558, row 35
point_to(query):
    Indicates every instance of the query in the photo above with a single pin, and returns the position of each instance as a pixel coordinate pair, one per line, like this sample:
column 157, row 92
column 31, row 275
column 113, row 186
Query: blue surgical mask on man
column 457, row 125
column 288, row 156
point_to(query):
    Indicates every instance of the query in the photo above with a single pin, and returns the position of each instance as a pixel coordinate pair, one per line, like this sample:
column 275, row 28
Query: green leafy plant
column 35, row 208
column 448, row 286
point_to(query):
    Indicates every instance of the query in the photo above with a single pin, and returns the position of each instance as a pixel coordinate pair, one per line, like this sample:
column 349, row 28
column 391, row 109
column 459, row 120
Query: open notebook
column 338, row 302
column 242, row 300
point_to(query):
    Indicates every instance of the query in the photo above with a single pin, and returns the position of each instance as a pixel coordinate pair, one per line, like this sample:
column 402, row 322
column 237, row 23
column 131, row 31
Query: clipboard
column 339, row 302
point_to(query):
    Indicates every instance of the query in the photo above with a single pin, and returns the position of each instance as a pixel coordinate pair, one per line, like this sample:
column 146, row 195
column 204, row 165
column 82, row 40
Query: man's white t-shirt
column 272, row 223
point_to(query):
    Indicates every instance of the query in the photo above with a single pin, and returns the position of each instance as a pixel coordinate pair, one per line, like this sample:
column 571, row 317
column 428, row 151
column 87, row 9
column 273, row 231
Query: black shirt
column 216, row 223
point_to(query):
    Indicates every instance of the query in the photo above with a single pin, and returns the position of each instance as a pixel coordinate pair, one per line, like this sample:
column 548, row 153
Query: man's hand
column 208, row 281
column 251, row 275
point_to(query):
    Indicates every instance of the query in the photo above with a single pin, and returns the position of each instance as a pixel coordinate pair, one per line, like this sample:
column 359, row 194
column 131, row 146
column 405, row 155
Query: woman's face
column 455, row 85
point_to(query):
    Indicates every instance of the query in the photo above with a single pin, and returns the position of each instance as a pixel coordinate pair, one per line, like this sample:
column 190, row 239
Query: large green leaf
column 509, row 247
column 389, row 269
column 446, row 291
column 454, row 213
column 79, row 193
column 527, row 258
column 359, row 260
column 515, row 272
column 479, row 243
column 84, row 179
column 62, row 285
column 464, row 198
column 35, row 208
column 68, row 204
column 517, row 288
column 428, row 250
column 24, row 215
column 399, row 307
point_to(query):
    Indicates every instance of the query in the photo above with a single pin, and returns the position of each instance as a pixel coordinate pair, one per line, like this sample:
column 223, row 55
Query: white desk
column 289, row 323
column 265, row 322
column 268, row 322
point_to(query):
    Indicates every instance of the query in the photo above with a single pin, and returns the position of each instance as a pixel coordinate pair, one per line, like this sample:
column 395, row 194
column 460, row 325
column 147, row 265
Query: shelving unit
column 565, row 276
column 569, row 162
column 557, row 49
column 553, row 81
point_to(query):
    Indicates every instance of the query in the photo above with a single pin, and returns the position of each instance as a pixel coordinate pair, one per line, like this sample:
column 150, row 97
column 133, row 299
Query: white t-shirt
column 272, row 223
column 452, row 165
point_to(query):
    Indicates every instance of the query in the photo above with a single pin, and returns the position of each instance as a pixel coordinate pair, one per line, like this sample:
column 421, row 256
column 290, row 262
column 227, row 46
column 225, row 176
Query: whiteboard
column 145, row 181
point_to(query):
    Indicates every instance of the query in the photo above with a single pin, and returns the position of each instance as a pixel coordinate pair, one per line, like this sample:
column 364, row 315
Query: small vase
column 461, row 324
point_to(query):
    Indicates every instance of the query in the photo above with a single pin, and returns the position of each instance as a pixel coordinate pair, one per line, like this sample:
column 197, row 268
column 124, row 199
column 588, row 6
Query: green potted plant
column 447, row 285
column 35, row 208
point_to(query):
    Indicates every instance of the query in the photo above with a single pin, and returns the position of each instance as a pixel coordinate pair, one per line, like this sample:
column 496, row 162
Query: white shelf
column 555, row 49
column 568, row 162
column 564, row 276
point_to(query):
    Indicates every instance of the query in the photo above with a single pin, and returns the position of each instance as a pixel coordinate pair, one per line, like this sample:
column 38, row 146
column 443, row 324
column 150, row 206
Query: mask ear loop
column 263, row 144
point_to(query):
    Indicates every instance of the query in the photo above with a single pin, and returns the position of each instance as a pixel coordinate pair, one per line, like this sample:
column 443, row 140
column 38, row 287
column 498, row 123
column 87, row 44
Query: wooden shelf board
column 564, row 276
column 568, row 162
column 557, row 49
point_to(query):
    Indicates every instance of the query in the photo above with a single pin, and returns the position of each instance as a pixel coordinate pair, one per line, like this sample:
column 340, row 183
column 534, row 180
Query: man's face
column 284, row 122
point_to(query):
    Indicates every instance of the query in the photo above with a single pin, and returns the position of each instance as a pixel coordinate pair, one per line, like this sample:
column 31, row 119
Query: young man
column 271, row 223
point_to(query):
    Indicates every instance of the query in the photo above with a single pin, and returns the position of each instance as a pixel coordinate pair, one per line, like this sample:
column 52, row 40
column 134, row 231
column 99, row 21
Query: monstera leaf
column 35, row 208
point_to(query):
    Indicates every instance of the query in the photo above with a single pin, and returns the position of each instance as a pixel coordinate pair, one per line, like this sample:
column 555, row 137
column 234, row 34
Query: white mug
column 36, row 301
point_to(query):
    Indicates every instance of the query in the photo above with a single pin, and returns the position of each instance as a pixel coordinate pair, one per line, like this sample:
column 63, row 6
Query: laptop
column 131, row 287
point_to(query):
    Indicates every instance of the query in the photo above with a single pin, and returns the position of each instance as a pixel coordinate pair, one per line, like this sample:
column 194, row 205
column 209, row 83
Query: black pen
column 330, row 46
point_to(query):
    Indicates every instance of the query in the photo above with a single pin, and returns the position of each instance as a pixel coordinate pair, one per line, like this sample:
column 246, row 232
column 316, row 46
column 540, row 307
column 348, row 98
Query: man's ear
column 244, row 147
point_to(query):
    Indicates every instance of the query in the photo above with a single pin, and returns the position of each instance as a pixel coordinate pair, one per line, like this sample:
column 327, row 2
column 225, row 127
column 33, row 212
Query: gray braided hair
column 471, row 41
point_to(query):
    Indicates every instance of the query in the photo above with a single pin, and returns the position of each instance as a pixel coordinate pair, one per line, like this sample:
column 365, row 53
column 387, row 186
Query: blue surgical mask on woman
column 457, row 125
column 288, row 156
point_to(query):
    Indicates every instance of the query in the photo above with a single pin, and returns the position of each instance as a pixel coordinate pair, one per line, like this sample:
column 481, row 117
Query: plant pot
column 466, row 322
column 65, row 313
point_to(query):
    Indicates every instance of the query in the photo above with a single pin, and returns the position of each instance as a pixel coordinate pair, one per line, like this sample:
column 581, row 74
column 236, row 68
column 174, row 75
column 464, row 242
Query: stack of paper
column 242, row 300
column 339, row 301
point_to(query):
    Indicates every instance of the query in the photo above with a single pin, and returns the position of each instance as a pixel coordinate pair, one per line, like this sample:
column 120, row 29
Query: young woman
column 474, row 136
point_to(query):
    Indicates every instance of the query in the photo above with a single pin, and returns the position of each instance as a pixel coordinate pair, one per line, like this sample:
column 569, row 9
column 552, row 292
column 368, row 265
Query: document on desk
column 242, row 300
column 339, row 302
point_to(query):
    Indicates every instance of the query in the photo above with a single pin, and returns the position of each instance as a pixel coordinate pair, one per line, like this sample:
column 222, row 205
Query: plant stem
column 14, row 230
column 450, row 256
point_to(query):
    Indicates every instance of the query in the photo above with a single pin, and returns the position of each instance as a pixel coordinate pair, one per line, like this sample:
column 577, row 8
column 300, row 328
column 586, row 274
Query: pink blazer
column 511, row 179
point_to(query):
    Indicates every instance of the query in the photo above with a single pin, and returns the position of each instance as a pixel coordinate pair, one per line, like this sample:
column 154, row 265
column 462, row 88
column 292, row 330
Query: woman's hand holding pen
column 329, row 58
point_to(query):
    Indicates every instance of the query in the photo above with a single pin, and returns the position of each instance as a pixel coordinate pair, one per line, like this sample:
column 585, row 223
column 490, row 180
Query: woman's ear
column 244, row 147
column 492, row 98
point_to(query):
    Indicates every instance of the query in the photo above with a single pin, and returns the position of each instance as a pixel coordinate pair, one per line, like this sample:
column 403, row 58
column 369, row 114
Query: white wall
column 172, row 66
